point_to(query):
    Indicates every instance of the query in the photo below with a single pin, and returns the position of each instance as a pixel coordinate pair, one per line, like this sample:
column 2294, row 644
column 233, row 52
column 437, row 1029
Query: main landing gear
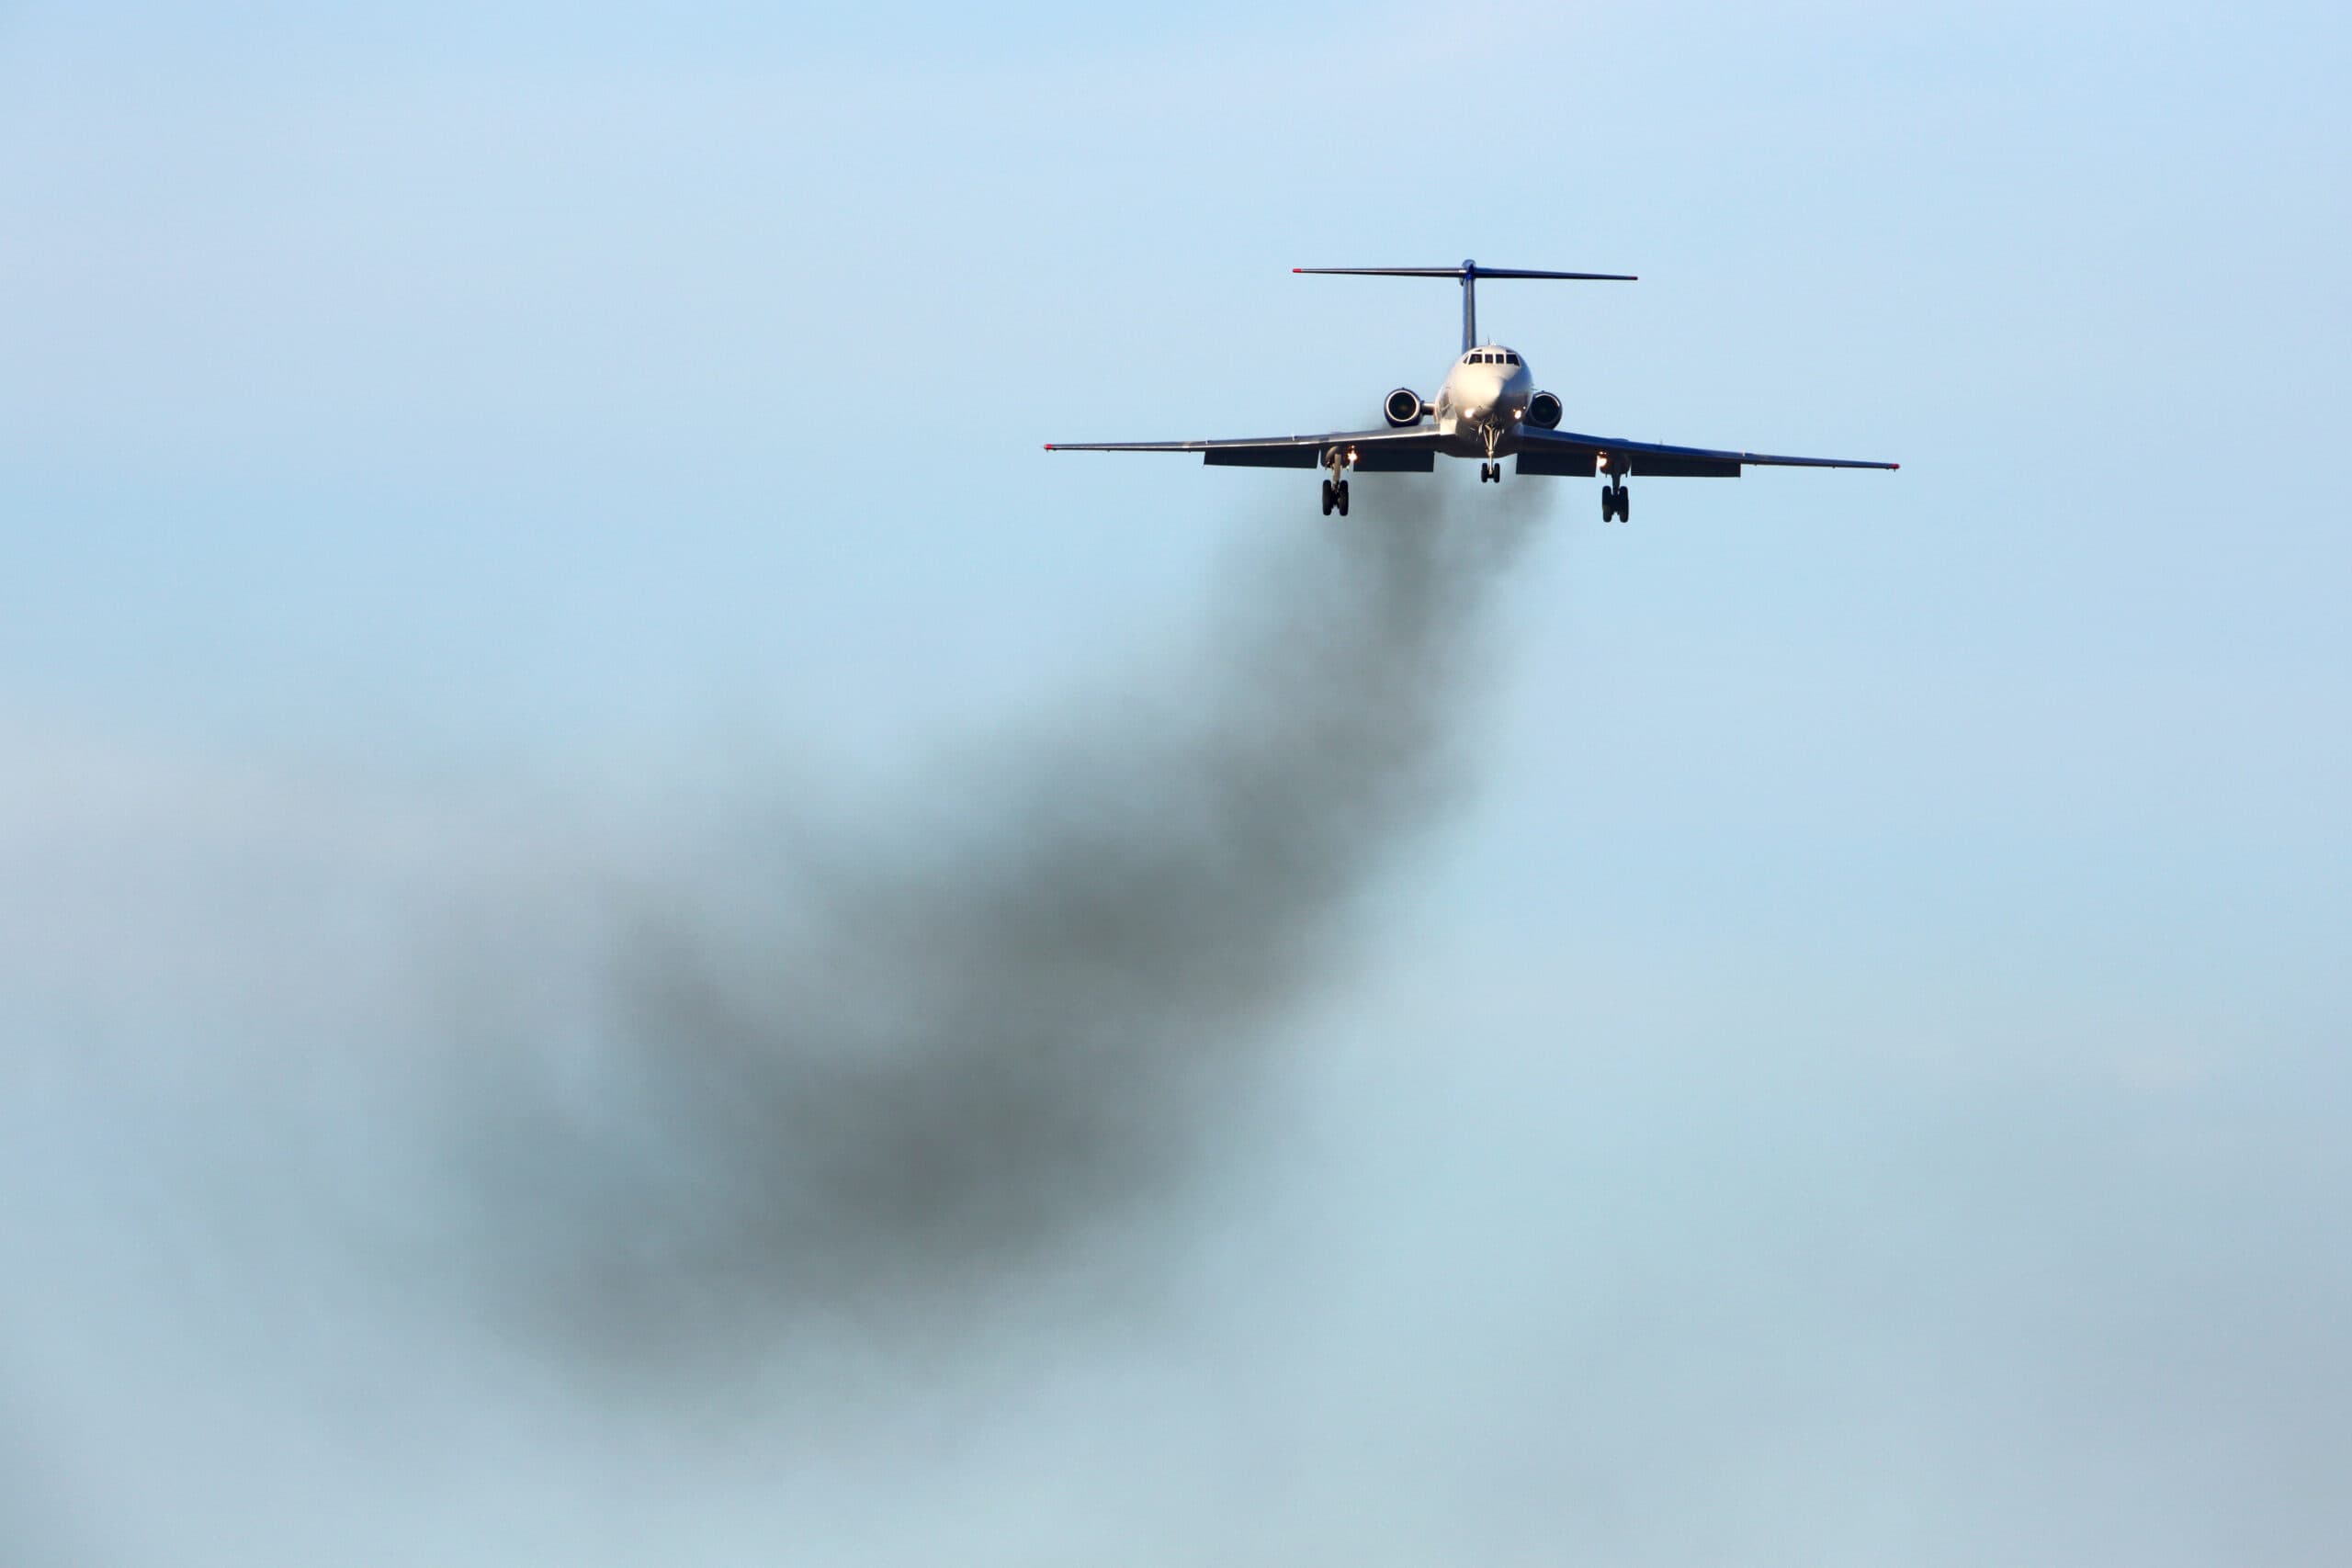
column 1616, row 505
column 1335, row 489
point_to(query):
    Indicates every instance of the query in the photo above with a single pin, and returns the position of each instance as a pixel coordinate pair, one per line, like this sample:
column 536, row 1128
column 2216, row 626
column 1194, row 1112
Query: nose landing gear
column 1490, row 472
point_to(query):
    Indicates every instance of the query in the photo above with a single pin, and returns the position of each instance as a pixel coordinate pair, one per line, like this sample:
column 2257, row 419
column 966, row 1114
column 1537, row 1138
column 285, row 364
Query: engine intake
column 1404, row 407
column 1543, row 411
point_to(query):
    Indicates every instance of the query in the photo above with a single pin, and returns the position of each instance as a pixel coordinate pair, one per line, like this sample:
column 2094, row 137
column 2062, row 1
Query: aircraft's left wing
column 1410, row 450
column 1566, row 452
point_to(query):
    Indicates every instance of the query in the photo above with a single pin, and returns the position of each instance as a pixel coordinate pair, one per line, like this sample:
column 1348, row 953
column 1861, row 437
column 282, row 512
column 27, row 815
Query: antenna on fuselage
column 1469, row 272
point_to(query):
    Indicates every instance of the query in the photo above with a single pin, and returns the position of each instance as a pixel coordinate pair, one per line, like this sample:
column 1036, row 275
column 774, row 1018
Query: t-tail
column 1469, row 272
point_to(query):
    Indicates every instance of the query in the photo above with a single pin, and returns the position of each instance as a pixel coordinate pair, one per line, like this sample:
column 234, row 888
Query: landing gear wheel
column 1625, row 504
column 1609, row 503
column 1331, row 497
column 1343, row 497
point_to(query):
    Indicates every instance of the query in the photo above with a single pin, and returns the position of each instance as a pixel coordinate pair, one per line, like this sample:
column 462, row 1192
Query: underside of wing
column 1410, row 450
column 1566, row 452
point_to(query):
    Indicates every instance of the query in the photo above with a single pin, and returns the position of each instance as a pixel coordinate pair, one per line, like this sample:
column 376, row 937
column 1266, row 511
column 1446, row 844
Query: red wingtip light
column 1298, row 269
column 1049, row 446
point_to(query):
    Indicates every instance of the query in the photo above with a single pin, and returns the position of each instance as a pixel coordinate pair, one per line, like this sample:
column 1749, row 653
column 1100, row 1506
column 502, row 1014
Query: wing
column 1566, row 452
column 1410, row 450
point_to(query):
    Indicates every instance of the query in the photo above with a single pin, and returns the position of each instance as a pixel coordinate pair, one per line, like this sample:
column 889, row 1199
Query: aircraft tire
column 1343, row 497
column 1328, row 499
column 1625, row 504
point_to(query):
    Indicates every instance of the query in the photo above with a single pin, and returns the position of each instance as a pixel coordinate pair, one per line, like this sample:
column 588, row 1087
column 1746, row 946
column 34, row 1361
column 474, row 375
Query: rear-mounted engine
column 1404, row 407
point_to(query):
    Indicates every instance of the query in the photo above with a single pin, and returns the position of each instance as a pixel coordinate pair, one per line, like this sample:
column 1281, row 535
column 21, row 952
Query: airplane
column 1487, row 408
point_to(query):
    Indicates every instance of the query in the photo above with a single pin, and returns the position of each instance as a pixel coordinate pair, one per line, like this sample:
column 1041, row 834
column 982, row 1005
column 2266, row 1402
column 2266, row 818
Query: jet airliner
column 1487, row 407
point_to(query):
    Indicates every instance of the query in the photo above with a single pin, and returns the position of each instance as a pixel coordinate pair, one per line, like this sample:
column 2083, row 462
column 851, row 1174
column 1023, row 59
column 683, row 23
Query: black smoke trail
column 882, row 1076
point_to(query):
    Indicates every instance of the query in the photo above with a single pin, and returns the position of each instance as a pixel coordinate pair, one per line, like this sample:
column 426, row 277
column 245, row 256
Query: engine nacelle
column 1543, row 411
column 1404, row 407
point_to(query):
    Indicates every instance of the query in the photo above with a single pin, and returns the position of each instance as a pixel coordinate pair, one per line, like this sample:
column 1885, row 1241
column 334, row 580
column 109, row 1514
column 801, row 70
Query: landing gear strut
column 1335, row 489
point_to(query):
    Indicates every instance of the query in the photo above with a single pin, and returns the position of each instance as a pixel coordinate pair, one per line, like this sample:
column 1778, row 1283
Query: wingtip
column 1049, row 446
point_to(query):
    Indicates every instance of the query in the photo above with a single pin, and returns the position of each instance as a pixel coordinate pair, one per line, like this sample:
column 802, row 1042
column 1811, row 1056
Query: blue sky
column 420, row 416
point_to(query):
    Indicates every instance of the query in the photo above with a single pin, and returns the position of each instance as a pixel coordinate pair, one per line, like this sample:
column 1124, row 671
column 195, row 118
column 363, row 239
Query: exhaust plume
column 880, row 1076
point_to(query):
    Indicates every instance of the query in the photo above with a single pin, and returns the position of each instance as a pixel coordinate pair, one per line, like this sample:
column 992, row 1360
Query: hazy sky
column 1848, row 1064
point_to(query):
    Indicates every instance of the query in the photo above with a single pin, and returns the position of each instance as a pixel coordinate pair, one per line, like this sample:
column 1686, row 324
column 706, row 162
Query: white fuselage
column 1488, row 390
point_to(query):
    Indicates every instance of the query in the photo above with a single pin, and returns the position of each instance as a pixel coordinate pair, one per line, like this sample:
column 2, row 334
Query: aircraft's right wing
column 1410, row 450
column 1566, row 452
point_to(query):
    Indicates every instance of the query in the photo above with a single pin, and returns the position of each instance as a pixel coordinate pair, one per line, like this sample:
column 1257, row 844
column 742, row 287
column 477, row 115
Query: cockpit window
column 1510, row 358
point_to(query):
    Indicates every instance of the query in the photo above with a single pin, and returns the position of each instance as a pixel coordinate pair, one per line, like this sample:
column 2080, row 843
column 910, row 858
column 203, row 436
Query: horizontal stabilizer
column 1469, row 273
column 1466, row 270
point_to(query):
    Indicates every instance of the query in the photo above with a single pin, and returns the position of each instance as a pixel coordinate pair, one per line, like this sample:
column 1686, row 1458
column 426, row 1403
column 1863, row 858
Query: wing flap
column 1388, row 460
column 1584, row 462
column 1671, row 465
column 1261, row 456
column 1369, row 459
